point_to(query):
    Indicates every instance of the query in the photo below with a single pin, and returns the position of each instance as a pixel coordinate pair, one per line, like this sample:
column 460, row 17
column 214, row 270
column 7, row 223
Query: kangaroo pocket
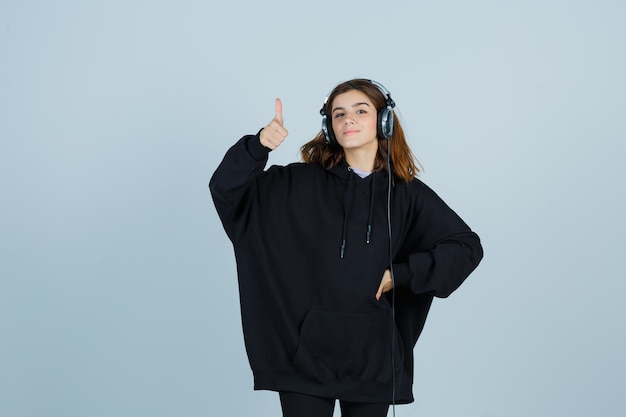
column 348, row 345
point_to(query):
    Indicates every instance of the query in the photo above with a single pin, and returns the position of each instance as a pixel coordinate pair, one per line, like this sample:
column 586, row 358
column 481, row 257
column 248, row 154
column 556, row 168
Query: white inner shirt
column 360, row 173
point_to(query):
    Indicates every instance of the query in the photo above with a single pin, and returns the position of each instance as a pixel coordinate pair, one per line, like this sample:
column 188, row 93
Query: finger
column 266, row 139
column 273, row 136
column 279, row 111
column 379, row 293
column 275, row 126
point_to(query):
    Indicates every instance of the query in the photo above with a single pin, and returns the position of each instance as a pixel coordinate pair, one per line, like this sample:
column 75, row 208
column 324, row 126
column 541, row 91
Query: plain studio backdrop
column 118, row 291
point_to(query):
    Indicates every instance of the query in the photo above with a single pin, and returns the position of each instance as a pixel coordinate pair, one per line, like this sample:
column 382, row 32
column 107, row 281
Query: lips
column 350, row 132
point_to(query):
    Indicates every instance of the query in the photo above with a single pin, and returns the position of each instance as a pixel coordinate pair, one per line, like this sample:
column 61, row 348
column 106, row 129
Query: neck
column 360, row 159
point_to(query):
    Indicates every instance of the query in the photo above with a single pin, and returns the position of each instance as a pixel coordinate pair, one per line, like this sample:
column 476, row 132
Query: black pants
column 302, row 405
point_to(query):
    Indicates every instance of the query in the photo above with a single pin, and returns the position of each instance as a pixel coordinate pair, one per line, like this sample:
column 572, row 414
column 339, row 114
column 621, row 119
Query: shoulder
column 296, row 172
column 415, row 187
column 417, row 193
column 296, row 169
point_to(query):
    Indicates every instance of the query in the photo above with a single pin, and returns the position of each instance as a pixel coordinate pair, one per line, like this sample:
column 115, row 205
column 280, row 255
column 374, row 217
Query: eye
column 361, row 111
column 338, row 115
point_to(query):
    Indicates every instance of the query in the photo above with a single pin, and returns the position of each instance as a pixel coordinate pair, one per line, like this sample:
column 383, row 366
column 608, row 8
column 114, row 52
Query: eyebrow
column 354, row 105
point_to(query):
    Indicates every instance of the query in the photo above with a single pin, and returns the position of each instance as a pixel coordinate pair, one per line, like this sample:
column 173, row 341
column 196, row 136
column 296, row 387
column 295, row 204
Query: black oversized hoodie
column 311, row 247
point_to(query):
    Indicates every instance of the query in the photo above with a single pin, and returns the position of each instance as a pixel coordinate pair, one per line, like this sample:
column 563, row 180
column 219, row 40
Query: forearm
column 243, row 162
column 441, row 269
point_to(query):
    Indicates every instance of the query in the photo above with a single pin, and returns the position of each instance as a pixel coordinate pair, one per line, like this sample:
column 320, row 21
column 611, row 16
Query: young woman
column 339, row 256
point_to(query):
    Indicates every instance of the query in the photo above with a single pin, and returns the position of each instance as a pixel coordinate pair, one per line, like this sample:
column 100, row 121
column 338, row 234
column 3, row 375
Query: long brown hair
column 403, row 162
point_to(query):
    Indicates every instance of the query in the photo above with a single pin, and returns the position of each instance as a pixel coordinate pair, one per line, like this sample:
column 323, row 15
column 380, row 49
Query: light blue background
column 118, row 293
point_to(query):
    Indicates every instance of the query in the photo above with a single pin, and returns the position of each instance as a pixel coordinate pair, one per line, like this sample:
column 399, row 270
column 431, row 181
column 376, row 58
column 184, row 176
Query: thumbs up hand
column 274, row 133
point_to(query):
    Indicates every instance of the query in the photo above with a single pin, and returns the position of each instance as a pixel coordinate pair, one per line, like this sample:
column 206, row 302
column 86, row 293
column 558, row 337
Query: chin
column 352, row 144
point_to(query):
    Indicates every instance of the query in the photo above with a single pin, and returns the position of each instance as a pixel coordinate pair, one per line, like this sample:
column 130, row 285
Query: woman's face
column 355, row 121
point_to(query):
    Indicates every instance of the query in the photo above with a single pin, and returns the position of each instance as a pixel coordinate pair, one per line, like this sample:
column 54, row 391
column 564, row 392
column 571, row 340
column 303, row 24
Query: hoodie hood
column 377, row 180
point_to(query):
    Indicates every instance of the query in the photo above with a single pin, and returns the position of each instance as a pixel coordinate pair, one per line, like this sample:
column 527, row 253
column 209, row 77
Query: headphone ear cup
column 329, row 135
column 385, row 123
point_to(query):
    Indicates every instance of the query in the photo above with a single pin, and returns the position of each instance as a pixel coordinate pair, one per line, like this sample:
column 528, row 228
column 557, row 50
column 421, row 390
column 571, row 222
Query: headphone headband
column 381, row 87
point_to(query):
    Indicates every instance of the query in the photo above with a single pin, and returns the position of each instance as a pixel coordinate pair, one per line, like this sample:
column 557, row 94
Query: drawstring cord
column 369, row 218
column 347, row 205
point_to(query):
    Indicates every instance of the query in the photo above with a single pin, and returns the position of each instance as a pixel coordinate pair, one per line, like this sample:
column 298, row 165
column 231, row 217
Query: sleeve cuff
column 255, row 149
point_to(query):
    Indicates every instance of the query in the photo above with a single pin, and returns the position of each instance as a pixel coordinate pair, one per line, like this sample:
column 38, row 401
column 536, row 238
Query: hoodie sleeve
column 243, row 162
column 443, row 250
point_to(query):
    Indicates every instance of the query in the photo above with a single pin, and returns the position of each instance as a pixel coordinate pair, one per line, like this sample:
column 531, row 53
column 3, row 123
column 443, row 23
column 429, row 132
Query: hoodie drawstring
column 369, row 216
column 347, row 206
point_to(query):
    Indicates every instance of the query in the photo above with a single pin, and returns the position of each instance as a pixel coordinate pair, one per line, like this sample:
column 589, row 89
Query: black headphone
column 385, row 117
